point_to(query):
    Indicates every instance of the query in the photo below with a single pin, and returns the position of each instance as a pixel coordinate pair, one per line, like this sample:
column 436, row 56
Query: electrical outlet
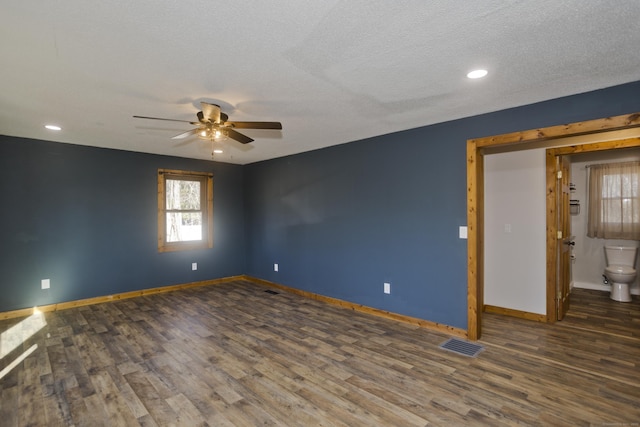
column 45, row 283
column 387, row 288
column 275, row 267
column 194, row 266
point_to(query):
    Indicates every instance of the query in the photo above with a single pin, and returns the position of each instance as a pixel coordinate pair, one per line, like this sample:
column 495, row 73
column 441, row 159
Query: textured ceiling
column 331, row 71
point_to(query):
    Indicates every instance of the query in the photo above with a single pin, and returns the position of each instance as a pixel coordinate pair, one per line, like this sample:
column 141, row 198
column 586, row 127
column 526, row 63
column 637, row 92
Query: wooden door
column 563, row 283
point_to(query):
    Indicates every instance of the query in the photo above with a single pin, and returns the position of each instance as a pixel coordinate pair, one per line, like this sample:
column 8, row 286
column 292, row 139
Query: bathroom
column 588, row 260
column 515, row 260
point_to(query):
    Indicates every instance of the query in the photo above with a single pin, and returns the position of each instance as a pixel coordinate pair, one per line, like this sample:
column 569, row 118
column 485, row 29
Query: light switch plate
column 462, row 232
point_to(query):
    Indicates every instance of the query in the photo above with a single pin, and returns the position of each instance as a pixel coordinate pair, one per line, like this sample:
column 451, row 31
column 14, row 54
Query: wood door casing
column 563, row 282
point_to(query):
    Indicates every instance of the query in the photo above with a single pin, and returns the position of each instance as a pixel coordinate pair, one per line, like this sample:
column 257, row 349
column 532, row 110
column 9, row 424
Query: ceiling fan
column 213, row 125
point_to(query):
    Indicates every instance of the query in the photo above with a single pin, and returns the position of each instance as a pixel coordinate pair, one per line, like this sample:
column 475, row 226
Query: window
column 614, row 201
column 185, row 210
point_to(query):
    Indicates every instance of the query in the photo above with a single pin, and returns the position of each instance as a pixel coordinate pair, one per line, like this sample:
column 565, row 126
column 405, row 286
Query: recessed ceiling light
column 53, row 127
column 477, row 74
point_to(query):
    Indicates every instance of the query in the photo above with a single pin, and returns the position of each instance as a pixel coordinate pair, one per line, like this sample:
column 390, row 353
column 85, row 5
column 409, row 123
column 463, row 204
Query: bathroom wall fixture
column 574, row 207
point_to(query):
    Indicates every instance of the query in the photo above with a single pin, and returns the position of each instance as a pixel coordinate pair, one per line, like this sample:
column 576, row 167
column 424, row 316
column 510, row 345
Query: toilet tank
column 621, row 255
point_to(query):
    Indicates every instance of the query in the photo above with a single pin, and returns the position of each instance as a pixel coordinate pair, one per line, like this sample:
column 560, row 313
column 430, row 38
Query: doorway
column 558, row 290
column 552, row 136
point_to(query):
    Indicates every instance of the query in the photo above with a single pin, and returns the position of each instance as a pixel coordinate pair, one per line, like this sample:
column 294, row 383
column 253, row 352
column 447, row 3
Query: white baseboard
column 600, row 287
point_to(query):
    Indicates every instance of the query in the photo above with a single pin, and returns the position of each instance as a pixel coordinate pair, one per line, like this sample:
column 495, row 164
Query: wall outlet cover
column 275, row 267
column 45, row 283
column 194, row 266
column 387, row 288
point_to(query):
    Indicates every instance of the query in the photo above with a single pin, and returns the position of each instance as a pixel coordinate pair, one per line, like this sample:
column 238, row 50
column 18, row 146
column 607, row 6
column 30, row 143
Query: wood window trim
column 207, row 241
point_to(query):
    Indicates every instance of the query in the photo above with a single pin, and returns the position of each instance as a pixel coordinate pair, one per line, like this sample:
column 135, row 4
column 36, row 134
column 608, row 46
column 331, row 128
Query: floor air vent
column 464, row 348
column 269, row 291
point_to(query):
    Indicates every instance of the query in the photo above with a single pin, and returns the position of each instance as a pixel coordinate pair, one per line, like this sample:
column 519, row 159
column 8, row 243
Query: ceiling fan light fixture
column 213, row 125
column 477, row 74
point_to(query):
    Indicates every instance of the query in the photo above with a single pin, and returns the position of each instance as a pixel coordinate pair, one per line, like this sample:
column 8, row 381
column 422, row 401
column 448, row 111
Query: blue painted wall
column 86, row 218
column 342, row 220
column 338, row 221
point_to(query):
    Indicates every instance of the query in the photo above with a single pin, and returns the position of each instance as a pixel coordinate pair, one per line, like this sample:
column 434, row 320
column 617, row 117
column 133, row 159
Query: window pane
column 184, row 226
column 182, row 194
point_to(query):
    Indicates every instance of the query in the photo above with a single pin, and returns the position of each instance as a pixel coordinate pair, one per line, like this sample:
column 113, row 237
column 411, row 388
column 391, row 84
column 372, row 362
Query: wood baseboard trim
column 439, row 327
column 515, row 313
column 115, row 297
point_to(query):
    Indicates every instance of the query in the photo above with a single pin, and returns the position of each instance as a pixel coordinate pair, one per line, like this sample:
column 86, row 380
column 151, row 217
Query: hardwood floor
column 233, row 354
column 593, row 310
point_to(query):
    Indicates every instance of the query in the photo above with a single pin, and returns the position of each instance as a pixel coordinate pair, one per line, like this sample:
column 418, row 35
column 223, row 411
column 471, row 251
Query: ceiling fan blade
column 255, row 125
column 211, row 112
column 166, row 120
column 237, row 136
column 186, row 134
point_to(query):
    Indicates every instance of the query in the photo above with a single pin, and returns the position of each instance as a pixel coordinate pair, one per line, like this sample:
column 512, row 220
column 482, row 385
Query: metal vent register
column 464, row 348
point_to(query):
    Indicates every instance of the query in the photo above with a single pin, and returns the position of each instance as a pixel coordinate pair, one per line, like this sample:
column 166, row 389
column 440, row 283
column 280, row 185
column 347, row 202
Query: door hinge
column 559, row 234
column 559, row 174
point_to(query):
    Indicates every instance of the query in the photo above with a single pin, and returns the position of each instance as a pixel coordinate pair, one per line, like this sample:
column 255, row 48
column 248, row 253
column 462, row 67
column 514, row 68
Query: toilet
column 620, row 270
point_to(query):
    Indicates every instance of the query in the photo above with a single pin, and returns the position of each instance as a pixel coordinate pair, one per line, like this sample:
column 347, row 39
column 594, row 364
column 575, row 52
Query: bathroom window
column 614, row 201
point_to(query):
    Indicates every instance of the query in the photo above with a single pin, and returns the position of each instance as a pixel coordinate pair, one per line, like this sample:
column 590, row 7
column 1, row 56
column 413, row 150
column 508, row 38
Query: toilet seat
column 620, row 270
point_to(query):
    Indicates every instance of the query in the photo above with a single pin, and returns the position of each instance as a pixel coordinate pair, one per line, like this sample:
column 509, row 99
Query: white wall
column 589, row 263
column 514, row 231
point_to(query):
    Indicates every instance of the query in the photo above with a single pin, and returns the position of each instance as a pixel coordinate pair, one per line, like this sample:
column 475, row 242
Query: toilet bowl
column 620, row 270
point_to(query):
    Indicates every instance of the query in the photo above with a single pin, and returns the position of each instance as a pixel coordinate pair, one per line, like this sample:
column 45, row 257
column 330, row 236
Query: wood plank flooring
column 235, row 355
